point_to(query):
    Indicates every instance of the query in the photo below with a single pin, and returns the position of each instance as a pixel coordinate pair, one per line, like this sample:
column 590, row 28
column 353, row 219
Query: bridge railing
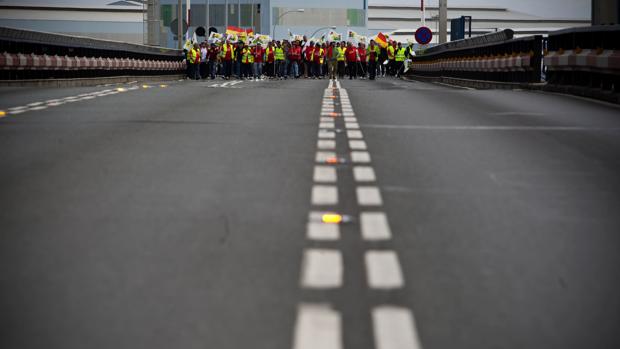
column 585, row 57
column 26, row 54
column 492, row 57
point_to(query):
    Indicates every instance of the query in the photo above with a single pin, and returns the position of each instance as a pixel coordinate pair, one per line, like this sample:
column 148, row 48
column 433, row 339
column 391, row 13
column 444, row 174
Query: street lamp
column 282, row 15
column 333, row 27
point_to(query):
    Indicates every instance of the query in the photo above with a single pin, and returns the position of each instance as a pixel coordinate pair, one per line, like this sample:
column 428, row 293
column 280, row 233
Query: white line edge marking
column 360, row 157
column 368, row 196
column 364, row 174
column 322, row 232
column 325, row 174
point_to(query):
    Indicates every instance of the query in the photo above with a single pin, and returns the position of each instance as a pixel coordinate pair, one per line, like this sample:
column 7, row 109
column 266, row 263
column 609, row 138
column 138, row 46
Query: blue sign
column 423, row 35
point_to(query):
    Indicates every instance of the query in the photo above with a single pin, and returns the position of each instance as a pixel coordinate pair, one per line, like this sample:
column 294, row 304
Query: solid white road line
column 34, row 104
column 18, row 111
column 326, row 144
column 364, row 174
column 325, row 174
column 322, row 231
column 368, row 196
column 326, row 134
column 322, row 156
column 357, row 145
column 394, row 328
column 41, row 107
column 321, row 268
column 383, row 270
column 18, row 108
column 324, row 195
column 355, row 134
column 317, row 327
column 360, row 157
column 375, row 226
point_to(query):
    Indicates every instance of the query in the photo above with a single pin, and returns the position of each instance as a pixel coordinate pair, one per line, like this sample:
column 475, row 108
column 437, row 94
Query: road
column 189, row 215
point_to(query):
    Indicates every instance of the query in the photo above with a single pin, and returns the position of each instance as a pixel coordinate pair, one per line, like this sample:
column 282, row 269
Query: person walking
column 239, row 58
column 247, row 61
column 213, row 55
column 399, row 59
column 383, row 57
column 341, row 60
column 258, row 53
column 372, row 58
column 308, row 54
column 270, row 58
column 280, row 63
column 228, row 57
column 317, row 55
column 294, row 56
column 203, row 60
column 361, row 54
column 391, row 53
column 351, row 54
column 332, row 60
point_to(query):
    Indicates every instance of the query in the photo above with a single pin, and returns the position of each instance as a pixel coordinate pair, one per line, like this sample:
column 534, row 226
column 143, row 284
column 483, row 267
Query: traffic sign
column 423, row 35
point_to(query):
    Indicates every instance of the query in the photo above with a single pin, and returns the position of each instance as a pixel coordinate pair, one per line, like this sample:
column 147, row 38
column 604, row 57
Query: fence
column 28, row 54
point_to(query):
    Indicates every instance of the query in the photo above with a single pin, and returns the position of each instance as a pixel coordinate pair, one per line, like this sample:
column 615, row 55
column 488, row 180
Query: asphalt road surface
column 190, row 215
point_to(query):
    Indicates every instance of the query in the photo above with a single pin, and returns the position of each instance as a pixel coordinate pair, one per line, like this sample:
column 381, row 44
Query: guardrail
column 493, row 57
column 26, row 54
column 586, row 57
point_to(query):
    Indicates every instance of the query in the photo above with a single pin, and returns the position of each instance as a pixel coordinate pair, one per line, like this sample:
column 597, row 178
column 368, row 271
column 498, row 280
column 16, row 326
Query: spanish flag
column 232, row 30
column 381, row 40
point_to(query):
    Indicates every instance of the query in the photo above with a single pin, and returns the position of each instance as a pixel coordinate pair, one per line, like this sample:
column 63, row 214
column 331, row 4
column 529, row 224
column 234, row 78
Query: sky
column 573, row 9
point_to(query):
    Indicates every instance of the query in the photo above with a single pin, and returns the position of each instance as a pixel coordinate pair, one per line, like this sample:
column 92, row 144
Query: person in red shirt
column 228, row 56
column 308, row 53
column 317, row 60
column 270, row 58
column 258, row 53
column 373, row 57
column 351, row 55
column 294, row 56
column 212, row 54
column 361, row 54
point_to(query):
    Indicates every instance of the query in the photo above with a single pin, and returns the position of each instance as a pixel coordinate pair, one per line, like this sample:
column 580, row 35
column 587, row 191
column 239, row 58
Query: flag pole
column 423, row 8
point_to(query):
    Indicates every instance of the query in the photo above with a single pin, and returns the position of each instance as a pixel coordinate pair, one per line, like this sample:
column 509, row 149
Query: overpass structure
column 386, row 214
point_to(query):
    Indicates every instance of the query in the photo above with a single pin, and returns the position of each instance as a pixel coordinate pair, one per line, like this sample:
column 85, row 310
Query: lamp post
column 333, row 27
column 280, row 16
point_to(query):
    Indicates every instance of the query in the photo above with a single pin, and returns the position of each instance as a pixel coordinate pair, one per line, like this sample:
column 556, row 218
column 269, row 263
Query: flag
column 381, row 40
column 232, row 30
column 351, row 34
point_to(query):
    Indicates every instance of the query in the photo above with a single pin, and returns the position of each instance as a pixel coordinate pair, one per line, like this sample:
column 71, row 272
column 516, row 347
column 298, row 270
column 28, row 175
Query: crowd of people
column 296, row 59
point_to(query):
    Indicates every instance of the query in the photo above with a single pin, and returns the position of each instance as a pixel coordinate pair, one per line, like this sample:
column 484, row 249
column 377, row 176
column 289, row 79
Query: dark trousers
column 399, row 68
column 212, row 68
column 203, row 70
column 269, row 69
column 246, row 70
column 372, row 69
column 228, row 68
column 362, row 69
column 341, row 69
column 317, row 69
column 352, row 66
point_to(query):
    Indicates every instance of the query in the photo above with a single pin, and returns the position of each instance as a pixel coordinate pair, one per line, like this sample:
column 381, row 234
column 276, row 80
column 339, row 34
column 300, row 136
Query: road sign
column 423, row 35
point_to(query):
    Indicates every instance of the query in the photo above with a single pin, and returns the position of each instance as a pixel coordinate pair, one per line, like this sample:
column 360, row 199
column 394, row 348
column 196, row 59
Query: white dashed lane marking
column 322, row 231
column 360, row 156
column 318, row 327
column 325, row 174
column 324, row 195
column 368, row 196
column 364, row 174
column 326, row 144
column 357, row 145
column 323, row 156
column 355, row 134
column 375, row 226
column 322, row 269
column 326, row 134
column 383, row 270
column 394, row 328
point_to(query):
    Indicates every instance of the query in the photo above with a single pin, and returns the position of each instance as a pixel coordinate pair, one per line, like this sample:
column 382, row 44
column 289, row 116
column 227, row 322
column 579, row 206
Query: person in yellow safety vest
column 341, row 59
column 391, row 51
column 317, row 60
column 228, row 56
column 399, row 58
column 193, row 60
column 247, row 59
column 280, row 64
column 372, row 57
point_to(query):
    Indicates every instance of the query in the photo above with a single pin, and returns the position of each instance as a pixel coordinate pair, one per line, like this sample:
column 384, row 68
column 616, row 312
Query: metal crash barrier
column 493, row 57
column 26, row 54
column 587, row 57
